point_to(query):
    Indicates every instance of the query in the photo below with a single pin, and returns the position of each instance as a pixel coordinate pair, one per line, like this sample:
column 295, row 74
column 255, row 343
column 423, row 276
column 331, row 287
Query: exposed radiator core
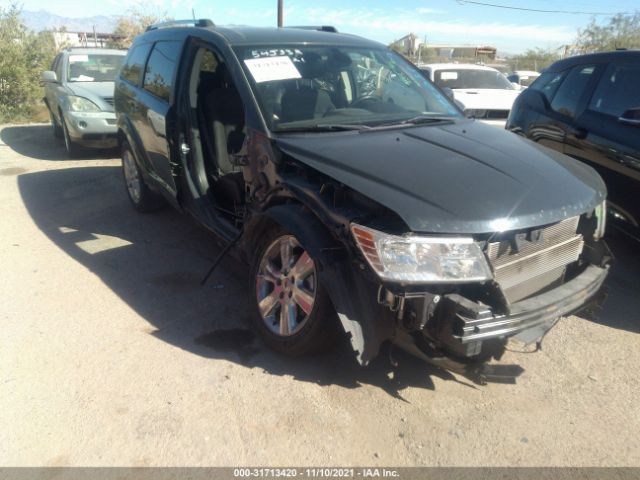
column 533, row 266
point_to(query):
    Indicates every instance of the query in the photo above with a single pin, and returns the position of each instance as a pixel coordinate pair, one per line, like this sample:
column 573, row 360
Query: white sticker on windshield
column 449, row 76
column 78, row 58
column 274, row 68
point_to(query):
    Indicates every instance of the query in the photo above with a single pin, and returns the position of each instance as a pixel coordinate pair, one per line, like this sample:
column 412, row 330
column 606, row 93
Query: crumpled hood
column 462, row 177
column 94, row 91
column 489, row 99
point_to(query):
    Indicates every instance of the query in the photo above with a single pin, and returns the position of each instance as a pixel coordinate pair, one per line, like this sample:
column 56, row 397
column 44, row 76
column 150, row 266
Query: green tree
column 533, row 59
column 138, row 18
column 24, row 55
column 621, row 31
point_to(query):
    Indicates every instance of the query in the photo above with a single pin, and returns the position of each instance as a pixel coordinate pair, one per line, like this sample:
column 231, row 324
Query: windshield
column 470, row 78
column 93, row 67
column 302, row 87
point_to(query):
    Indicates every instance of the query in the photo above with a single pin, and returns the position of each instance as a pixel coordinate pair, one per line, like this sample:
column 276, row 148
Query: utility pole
column 280, row 14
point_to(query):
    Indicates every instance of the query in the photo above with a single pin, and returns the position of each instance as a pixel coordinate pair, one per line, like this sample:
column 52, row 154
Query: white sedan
column 483, row 92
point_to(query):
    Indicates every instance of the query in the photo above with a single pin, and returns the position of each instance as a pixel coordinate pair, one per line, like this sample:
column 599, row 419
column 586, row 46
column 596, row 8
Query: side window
column 568, row 95
column 54, row 64
column 161, row 67
column 209, row 62
column 134, row 63
column 618, row 90
column 548, row 83
column 58, row 67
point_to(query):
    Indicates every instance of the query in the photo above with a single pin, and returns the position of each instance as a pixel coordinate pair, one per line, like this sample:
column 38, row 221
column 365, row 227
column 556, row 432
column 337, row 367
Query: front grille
column 535, row 266
column 109, row 100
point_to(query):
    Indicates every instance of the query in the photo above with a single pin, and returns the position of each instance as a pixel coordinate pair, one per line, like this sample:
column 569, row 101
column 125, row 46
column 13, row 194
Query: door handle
column 629, row 121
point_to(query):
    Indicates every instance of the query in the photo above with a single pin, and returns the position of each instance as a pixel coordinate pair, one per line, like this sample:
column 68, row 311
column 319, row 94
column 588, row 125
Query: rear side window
column 572, row 89
column 134, row 63
column 618, row 90
column 161, row 68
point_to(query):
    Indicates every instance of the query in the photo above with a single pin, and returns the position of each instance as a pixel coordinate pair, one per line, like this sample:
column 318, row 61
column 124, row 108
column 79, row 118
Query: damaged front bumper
column 473, row 323
column 450, row 330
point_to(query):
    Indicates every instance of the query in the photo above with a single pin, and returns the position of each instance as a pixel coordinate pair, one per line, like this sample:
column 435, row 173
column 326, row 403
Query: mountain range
column 43, row 20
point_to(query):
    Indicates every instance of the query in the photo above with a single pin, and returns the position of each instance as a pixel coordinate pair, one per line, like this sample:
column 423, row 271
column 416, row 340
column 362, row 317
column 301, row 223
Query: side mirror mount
column 535, row 99
column 631, row 117
column 448, row 92
column 516, row 85
column 49, row 77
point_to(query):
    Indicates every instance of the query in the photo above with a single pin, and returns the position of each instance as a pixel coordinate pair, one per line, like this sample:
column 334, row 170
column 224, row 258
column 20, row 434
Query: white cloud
column 428, row 11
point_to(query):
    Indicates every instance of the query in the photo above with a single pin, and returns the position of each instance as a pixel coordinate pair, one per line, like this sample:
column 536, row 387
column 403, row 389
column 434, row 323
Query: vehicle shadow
column 622, row 307
column 38, row 142
column 155, row 263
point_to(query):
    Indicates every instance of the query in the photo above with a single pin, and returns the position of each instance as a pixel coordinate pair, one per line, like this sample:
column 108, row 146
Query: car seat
column 222, row 112
column 305, row 103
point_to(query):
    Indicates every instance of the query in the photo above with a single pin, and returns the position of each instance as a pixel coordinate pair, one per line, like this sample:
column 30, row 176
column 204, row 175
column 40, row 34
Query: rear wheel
column 293, row 312
column 141, row 196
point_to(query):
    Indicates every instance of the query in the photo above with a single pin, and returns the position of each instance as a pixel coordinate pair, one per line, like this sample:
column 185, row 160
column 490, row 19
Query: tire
column 311, row 325
column 73, row 149
column 141, row 196
column 55, row 128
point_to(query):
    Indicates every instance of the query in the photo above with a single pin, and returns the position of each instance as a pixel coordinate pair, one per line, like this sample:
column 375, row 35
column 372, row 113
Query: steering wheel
column 364, row 102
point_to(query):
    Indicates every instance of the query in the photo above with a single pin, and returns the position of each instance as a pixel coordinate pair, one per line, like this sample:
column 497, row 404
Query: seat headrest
column 304, row 103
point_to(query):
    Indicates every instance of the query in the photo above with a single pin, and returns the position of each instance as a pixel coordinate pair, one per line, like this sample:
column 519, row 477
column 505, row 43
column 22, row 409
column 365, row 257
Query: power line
column 464, row 2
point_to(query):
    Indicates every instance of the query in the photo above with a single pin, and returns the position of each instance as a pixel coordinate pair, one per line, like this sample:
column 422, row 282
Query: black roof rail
column 201, row 22
column 320, row 28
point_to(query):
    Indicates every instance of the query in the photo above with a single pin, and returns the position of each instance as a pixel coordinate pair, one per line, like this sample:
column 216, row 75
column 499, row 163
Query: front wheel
column 55, row 128
column 73, row 149
column 141, row 196
column 293, row 312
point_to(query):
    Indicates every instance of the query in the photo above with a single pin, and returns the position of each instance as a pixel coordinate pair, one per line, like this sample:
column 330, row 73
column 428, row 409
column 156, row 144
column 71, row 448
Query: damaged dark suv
column 353, row 186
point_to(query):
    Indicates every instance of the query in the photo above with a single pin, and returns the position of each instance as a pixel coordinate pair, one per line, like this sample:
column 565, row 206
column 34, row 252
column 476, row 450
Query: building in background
column 481, row 53
column 64, row 39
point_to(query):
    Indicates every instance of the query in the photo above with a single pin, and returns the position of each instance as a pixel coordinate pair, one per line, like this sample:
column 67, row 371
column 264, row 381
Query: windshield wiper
column 418, row 120
column 324, row 127
column 424, row 119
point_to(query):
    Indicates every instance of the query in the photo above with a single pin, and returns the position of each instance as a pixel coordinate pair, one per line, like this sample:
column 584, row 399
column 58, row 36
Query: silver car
column 79, row 96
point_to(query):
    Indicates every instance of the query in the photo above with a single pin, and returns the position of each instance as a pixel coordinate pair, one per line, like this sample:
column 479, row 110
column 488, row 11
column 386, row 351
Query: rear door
column 156, row 113
column 609, row 145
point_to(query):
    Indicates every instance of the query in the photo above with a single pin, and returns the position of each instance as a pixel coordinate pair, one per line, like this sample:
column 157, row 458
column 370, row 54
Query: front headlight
column 601, row 215
column 418, row 259
column 81, row 104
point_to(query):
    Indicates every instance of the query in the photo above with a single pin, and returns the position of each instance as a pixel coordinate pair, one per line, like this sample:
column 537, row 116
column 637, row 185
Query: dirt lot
column 111, row 353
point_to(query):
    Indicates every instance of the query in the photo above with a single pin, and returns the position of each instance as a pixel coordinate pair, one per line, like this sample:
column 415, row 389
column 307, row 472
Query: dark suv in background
column 414, row 224
column 588, row 107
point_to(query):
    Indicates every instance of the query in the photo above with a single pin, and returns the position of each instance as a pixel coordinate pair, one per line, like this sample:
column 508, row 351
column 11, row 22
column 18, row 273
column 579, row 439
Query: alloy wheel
column 131, row 176
column 286, row 286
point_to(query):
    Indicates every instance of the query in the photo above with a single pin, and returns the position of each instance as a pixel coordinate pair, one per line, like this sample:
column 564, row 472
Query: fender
column 353, row 296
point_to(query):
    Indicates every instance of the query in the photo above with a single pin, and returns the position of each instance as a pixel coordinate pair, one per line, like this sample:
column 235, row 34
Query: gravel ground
column 111, row 353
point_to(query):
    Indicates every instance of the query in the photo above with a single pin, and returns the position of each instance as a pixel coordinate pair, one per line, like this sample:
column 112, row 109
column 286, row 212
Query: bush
column 24, row 55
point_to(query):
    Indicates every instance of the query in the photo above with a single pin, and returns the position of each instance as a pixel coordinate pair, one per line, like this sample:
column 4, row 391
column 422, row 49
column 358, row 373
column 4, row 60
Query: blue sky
column 441, row 21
